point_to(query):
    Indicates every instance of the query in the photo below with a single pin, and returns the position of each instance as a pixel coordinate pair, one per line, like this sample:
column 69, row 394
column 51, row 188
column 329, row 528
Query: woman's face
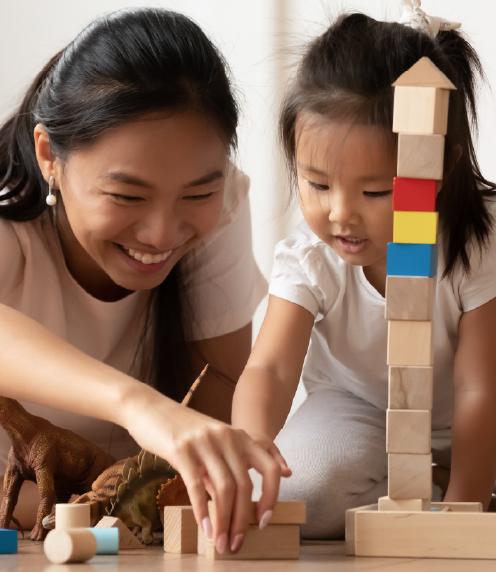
column 139, row 198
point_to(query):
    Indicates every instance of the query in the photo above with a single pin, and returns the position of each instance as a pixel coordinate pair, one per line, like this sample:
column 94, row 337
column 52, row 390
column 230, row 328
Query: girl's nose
column 341, row 209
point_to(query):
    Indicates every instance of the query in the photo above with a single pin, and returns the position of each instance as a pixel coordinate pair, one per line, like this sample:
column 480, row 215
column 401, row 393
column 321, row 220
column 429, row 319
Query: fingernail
column 207, row 527
column 237, row 542
column 264, row 521
column 221, row 543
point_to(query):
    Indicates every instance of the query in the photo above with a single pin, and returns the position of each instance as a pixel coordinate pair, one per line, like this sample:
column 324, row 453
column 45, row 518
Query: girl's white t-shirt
column 222, row 283
column 348, row 342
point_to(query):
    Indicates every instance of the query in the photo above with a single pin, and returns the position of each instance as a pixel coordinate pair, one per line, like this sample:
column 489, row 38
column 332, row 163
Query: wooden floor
column 316, row 557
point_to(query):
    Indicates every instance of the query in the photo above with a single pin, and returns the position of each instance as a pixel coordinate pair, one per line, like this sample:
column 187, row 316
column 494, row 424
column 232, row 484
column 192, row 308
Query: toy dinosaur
column 59, row 461
column 136, row 489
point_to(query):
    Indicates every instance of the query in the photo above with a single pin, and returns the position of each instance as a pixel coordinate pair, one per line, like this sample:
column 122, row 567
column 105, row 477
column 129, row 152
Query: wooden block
column 276, row 542
column 107, row 539
column 127, row 540
column 424, row 73
column 420, row 110
column 386, row 503
column 8, row 541
column 284, row 512
column 350, row 527
column 71, row 545
column 414, row 194
column 411, row 259
column 180, row 530
column 72, row 515
column 409, row 476
column 425, row 534
column 420, row 156
column 408, row 431
column 410, row 388
column 409, row 343
column 458, row 506
column 409, row 298
column 415, row 227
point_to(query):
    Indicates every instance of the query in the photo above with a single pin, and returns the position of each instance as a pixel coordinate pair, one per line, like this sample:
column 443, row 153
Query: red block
column 414, row 194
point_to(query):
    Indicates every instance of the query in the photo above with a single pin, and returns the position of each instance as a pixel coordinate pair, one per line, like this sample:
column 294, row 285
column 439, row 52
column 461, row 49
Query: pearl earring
column 51, row 199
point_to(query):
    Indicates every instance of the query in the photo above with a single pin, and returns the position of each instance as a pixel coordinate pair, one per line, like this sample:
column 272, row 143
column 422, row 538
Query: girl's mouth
column 351, row 244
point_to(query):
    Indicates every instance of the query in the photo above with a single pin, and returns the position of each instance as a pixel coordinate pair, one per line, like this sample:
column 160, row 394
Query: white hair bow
column 412, row 15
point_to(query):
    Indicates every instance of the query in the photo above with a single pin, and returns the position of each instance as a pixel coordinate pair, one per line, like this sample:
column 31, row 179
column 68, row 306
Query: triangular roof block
column 424, row 73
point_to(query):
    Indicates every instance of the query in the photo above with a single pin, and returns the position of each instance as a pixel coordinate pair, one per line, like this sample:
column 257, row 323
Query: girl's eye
column 318, row 186
column 377, row 194
column 199, row 197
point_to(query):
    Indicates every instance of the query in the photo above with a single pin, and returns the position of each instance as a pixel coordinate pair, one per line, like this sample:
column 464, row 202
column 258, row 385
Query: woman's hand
column 213, row 459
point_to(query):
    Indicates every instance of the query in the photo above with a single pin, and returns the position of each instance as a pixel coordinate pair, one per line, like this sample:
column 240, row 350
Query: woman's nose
column 162, row 231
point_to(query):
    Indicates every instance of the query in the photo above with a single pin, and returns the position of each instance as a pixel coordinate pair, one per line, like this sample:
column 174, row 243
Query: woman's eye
column 124, row 198
column 318, row 186
column 377, row 194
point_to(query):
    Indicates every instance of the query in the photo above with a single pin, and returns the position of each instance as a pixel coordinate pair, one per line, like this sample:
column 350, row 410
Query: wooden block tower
column 406, row 523
column 420, row 119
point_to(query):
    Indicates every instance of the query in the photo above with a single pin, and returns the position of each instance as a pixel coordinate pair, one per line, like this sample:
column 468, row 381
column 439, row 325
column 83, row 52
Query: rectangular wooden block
column 284, row 512
column 386, row 503
column 420, row 110
column 415, row 227
column 409, row 476
column 8, row 541
column 409, row 343
column 410, row 388
column 127, row 540
column 408, row 431
column 180, row 530
column 276, row 542
column 414, row 194
column 409, row 298
column 420, row 156
column 424, row 534
column 411, row 259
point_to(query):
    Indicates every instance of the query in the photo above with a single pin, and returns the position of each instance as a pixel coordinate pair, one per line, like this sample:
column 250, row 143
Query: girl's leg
column 335, row 445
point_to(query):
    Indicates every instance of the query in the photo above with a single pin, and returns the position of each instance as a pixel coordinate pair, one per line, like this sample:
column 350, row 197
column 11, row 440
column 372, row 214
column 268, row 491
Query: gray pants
column 335, row 443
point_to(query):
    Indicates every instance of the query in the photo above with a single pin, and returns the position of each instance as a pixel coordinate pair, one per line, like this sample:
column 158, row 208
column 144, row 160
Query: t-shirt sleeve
column 222, row 281
column 11, row 259
column 302, row 275
column 479, row 286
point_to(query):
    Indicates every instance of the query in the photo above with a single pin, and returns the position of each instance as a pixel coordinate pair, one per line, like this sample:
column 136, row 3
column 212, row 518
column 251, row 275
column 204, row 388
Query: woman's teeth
column 147, row 258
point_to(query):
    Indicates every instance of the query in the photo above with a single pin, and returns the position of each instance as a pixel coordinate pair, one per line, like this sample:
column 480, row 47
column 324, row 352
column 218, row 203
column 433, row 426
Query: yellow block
column 415, row 227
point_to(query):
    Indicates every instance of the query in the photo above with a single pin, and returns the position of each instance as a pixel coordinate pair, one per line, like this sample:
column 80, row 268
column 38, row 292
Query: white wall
column 260, row 39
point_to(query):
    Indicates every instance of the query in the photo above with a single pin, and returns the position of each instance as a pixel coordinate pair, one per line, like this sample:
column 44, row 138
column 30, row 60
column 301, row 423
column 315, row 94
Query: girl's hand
column 212, row 457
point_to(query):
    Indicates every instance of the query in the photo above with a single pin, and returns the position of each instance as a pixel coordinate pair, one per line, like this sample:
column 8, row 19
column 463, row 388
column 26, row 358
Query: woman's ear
column 43, row 150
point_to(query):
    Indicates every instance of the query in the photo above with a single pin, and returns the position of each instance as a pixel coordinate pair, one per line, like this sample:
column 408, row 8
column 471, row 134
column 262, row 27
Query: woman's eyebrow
column 128, row 179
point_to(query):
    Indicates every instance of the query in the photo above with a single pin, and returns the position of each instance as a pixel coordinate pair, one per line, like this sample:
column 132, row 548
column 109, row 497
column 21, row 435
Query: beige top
column 221, row 279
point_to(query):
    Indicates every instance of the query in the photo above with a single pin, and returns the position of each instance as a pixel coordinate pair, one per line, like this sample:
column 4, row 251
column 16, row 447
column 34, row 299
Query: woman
column 126, row 255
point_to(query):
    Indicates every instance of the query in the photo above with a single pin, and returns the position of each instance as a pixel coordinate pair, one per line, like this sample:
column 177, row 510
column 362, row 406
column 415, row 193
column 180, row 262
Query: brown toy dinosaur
column 59, row 461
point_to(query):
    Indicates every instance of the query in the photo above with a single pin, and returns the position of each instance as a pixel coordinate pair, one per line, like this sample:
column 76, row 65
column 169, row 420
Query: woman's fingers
column 276, row 453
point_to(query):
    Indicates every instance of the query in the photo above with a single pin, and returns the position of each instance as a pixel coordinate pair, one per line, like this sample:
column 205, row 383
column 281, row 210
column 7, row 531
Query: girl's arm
column 265, row 391
column 38, row 366
column 227, row 356
column 473, row 465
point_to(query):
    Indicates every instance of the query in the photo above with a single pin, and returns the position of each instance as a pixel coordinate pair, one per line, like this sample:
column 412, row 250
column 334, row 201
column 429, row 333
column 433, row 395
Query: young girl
column 325, row 321
column 126, row 255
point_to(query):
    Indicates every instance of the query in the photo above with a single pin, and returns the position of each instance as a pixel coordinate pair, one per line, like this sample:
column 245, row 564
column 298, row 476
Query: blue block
column 107, row 540
column 8, row 541
column 411, row 259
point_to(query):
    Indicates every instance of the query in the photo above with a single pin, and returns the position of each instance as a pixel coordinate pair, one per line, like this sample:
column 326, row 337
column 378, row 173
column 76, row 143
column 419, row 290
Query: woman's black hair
column 347, row 72
column 120, row 67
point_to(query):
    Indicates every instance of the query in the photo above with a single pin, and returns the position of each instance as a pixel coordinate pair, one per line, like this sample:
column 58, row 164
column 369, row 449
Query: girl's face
column 345, row 174
column 138, row 199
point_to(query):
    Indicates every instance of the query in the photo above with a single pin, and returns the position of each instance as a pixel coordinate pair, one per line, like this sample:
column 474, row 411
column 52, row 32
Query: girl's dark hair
column 347, row 73
column 121, row 66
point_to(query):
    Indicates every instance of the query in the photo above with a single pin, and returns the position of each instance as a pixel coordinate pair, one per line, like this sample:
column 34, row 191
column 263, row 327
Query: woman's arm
column 227, row 356
column 39, row 366
column 265, row 391
column 473, row 465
